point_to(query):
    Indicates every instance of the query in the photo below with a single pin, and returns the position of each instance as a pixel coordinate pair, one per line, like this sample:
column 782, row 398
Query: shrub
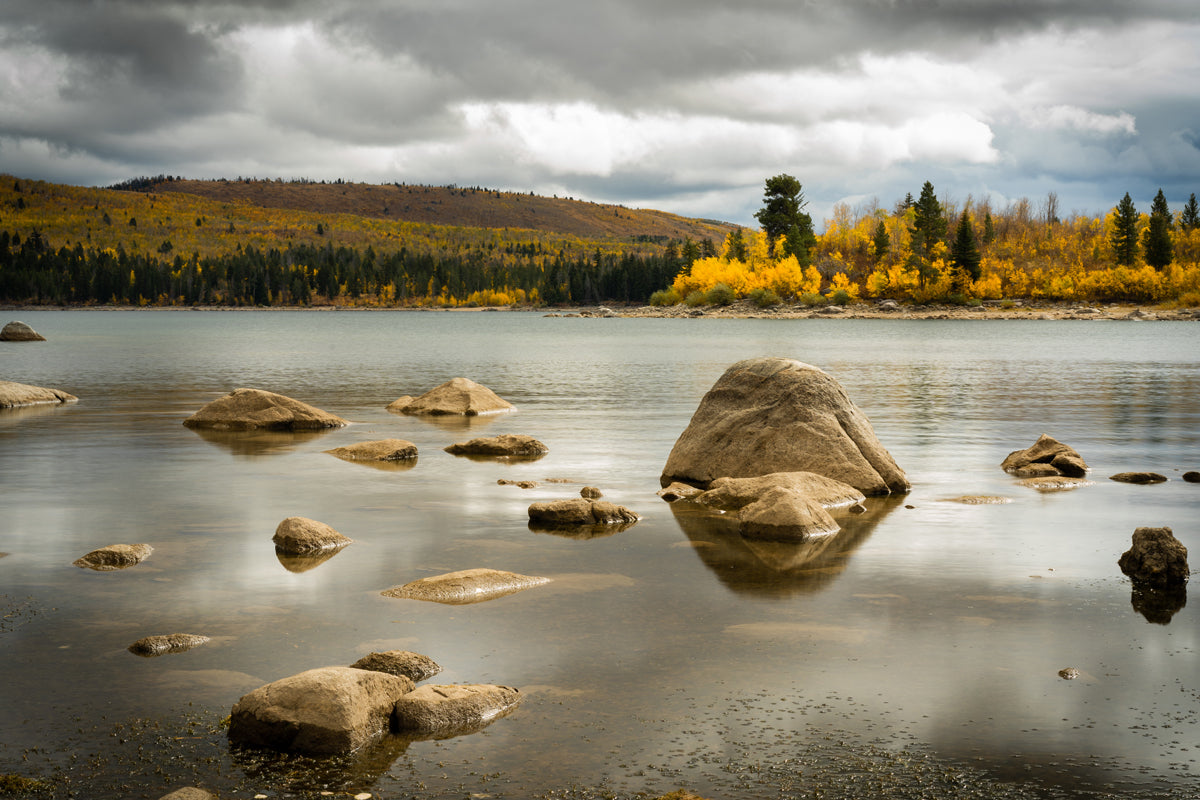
column 811, row 299
column 840, row 297
column 694, row 299
column 719, row 295
column 763, row 297
column 664, row 297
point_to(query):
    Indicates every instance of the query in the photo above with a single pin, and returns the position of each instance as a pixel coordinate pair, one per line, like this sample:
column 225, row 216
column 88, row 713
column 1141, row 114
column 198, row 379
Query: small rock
column 518, row 484
column 189, row 793
column 1191, row 476
column 979, row 500
column 782, row 514
column 256, row 409
column 446, row 709
column 506, row 445
column 1138, row 477
column 1056, row 483
column 115, row 556
column 679, row 491
column 303, row 536
column 1047, row 450
column 381, row 450
column 406, row 664
column 459, row 396
column 465, row 586
column 1156, row 559
column 151, row 646
column 580, row 512
column 590, row 493
column 20, row 332
column 1068, row 673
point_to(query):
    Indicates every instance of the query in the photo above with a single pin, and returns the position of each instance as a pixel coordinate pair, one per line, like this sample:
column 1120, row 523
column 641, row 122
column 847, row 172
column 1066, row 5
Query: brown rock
column 255, row 409
column 189, row 793
column 506, row 445
column 115, row 556
column 445, row 709
column 580, row 511
column 783, row 514
column 465, row 586
column 1157, row 559
column 1138, row 477
column 590, row 493
column 303, row 536
column 769, row 415
column 458, row 396
column 406, row 664
column 1191, row 476
column 20, row 332
column 1055, row 483
column 679, row 491
column 151, row 646
column 1046, row 450
column 13, row 395
column 380, row 450
column 731, row 494
column 325, row 711
column 1034, row 471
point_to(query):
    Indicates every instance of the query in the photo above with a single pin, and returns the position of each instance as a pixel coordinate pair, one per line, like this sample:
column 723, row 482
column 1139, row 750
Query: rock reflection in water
column 258, row 442
column 295, row 563
column 580, row 531
column 287, row 772
column 777, row 569
column 1158, row 605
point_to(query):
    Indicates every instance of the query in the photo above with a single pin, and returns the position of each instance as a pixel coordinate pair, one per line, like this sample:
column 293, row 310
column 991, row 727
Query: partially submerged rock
column 406, row 664
column 16, row 331
column 466, row 586
column 1191, row 476
column 115, row 556
column 784, row 514
column 1047, row 450
column 189, row 793
column 679, row 491
column 518, row 484
column 979, row 500
column 256, row 409
column 13, row 395
column 453, row 709
column 1156, row 559
column 1138, row 477
column 579, row 511
column 151, row 646
column 506, row 445
column 324, row 711
column 304, row 536
column 1055, row 483
column 379, row 450
column 732, row 494
column 769, row 415
column 460, row 396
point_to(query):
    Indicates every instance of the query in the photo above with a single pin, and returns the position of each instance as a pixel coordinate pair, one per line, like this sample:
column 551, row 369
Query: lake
column 917, row 657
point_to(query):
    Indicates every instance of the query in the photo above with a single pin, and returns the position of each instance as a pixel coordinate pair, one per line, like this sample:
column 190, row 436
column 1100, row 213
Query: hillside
column 455, row 206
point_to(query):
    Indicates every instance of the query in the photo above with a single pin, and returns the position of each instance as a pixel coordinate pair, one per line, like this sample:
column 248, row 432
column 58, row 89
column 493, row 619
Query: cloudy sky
column 682, row 105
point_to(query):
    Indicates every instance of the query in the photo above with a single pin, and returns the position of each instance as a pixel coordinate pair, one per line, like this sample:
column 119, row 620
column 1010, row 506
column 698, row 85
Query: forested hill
column 471, row 207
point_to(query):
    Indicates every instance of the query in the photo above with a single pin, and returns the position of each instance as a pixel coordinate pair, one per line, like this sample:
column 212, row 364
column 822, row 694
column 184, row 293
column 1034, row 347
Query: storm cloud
column 683, row 105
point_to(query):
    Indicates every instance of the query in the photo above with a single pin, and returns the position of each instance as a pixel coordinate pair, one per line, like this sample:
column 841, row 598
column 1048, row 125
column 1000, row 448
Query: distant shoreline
column 738, row 310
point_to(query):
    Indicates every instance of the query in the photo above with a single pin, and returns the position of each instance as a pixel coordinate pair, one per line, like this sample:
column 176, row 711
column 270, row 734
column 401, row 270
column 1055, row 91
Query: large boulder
column 465, row 586
column 580, row 511
column 769, row 415
column 452, row 709
column 20, row 332
column 460, row 396
column 1048, row 451
column 506, row 445
column 22, row 394
column 256, row 409
column 1156, row 559
column 114, row 557
column 304, row 536
column 324, row 711
column 379, row 450
column 407, row 664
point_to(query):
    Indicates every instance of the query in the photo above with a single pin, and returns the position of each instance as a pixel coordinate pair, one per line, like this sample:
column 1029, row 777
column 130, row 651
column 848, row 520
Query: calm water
column 919, row 655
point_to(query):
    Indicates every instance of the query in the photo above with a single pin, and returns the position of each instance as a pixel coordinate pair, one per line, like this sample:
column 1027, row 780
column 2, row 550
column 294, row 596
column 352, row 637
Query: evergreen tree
column 881, row 242
column 964, row 253
column 1157, row 239
column 783, row 210
column 1124, row 234
column 735, row 246
column 929, row 226
column 1189, row 220
column 989, row 228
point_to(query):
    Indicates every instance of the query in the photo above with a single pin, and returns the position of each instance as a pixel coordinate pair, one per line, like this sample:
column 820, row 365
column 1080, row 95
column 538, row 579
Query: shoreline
column 741, row 309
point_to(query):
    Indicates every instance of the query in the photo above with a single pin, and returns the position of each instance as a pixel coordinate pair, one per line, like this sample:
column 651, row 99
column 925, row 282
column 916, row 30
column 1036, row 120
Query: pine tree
column 782, row 217
column 929, row 226
column 1124, row 235
column 881, row 242
column 1189, row 220
column 964, row 253
column 989, row 228
column 1157, row 239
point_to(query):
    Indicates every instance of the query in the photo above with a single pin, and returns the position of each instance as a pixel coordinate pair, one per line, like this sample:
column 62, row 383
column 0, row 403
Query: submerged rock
column 151, row 646
column 304, row 536
column 406, row 664
column 579, row 511
column 459, row 396
column 1046, row 450
column 20, row 332
column 324, row 711
column 256, row 409
column 114, row 557
column 1138, row 477
column 466, row 586
column 506, row 445
column 1055, row 483
column 13, row 395
column 979, row 500
column 379, row 450
column 518, row 484
column 1156, row 559
column 453, row 709
column 769, row 415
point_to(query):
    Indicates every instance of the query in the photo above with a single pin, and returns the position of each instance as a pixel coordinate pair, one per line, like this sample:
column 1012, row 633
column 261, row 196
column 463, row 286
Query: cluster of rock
column 1047, row 457
column 337, row 710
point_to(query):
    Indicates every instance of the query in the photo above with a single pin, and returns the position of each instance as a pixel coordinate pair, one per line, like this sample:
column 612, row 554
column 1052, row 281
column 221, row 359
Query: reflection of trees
column 776, row 569
column 1158, row 605
column 257, row 442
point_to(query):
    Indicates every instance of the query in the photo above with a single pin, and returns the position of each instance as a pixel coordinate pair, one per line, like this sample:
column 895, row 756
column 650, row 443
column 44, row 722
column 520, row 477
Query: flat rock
column 1046, row 450
column 769, row 415
column 114, row 556
column 580, row 511
column 379, row 450
column 466, row 586
column 405, row 663
column 784, row 514
column 506, row 445
column 19, row 332
column 460, row 396
column 256, row 409
column 731, row 494
column 151, row 646
column 454, row 708
column 304, row 536
column 1138, row 477
column 1055, row 483
column 189, row 793
column 14, row 394
column 324, row 711
column 1156, row 559
column 979, row 500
